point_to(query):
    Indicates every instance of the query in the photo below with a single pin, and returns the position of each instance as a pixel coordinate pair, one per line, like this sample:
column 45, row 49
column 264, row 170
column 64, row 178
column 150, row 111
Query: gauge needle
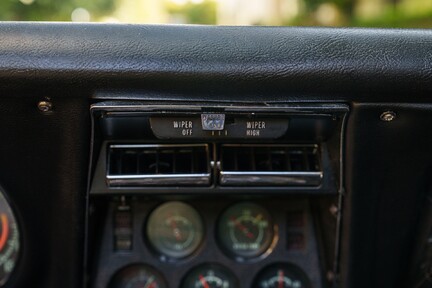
column 258, row 218
column 203, row 281
column 242, row 228
column 280, row 278
column 176, row 231
column 150, row 283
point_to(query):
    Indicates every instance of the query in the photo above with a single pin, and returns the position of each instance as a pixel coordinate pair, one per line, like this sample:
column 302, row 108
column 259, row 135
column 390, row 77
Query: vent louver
column 158, row 165
column 273, row 165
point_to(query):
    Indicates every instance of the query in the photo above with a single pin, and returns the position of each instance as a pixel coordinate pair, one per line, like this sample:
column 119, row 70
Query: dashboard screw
column 388, row 116
column 330, row 276
column 334, row 210
column 45, row 106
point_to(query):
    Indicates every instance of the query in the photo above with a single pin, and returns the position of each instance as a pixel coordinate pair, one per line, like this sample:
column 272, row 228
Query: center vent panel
column 158, row 165
column 270, row 165
column 205, row 148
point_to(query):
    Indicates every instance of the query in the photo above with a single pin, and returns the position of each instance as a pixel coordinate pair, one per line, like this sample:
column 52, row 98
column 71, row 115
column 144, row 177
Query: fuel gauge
column 210, row 276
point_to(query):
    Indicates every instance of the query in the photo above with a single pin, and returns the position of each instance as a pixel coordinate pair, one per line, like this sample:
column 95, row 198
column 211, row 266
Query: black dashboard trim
column 223, row 62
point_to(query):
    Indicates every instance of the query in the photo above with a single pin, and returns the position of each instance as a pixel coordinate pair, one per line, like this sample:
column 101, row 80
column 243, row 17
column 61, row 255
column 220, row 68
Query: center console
column 215, row 195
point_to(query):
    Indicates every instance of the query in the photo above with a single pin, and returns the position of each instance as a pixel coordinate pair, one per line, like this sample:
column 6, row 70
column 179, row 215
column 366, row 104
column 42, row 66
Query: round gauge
column 245, row 230
column 210, row 276
column 9, row 240
column 175, row 229
column 137, row 276
column 282, row 275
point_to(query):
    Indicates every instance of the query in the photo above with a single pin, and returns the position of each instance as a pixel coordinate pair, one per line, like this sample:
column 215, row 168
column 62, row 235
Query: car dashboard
column 203, row 156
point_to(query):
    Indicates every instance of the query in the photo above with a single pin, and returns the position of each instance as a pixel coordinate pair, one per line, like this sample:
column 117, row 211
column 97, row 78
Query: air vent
column 270, row 165
column 158, row 165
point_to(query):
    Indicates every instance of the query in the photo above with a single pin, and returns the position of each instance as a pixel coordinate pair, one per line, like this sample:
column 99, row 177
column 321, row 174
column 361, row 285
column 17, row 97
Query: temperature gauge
column 210, row 276
column 246, row 230
column 175, row 229
column 282, row 275
column 137, row 276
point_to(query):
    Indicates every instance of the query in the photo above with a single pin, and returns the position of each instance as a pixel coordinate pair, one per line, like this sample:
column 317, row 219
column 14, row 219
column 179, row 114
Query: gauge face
column 137, row 276
column 245, row 230
column 210, row 276
column 175, row 229
column 282, row 275
column 9, row 240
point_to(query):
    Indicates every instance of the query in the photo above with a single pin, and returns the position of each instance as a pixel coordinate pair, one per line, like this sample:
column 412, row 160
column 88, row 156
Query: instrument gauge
column 175, row 229
column 9, row 240
column 282, row 275
column 210, row 276
column 246, row 230
column 138, row 276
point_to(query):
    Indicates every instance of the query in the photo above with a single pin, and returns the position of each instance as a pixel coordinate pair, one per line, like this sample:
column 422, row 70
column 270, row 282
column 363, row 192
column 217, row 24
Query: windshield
column 359, row 13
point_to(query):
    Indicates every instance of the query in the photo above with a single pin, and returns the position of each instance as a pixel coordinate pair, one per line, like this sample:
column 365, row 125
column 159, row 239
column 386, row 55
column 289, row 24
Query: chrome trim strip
column 270, row 145
column 159, row 180
column 157, row 176
column 155, row 145
column 272, row 173
column 292, row 178
column 139, row 106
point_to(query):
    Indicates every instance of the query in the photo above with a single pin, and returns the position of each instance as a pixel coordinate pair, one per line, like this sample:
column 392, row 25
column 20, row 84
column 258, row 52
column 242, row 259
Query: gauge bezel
column 152, row 269
column 254, row 258
column 207, row 266
column 274, row 265
column 21, row 248
column 163, row 257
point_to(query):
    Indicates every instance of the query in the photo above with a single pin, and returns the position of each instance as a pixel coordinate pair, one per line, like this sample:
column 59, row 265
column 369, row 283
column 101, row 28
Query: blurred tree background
column 360, row 13
column 54, row 10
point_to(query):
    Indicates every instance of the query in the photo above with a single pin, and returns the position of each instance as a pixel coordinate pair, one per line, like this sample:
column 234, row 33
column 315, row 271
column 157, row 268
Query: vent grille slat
column 156, row 165
column 277, row 165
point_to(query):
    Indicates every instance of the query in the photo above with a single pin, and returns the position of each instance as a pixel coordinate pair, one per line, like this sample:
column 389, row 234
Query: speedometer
column 9, row 240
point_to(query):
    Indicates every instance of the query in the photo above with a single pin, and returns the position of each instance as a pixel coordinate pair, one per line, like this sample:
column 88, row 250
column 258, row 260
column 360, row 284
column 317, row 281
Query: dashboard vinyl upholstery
column 46, row 157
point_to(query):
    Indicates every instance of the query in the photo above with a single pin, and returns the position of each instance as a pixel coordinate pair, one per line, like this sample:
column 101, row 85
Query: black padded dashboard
column 45, row 157
column 290, row 61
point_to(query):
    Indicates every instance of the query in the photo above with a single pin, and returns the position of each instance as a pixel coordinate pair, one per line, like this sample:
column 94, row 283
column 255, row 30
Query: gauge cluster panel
column 208, row 243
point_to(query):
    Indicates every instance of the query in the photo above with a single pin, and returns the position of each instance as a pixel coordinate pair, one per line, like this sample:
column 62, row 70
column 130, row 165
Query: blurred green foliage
column 51, row 10
column 343, row 5
column 390, row 13
column 200, row 13
column 396, row 16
